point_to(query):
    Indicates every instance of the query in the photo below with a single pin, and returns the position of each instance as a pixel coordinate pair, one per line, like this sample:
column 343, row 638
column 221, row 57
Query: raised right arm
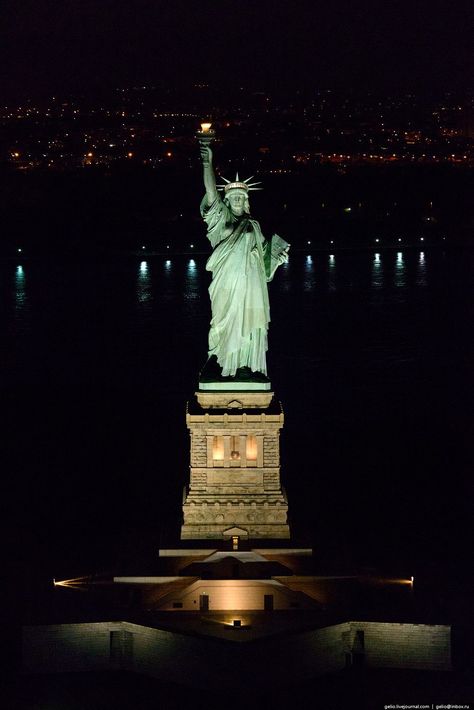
column 209, row 176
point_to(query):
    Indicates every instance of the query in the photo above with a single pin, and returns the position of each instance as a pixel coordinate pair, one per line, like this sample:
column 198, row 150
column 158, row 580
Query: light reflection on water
column 144, row 284
column 192, row 284
column 400, row 271
column 377, row 273
column 421, row 277
column 309, row 280
column 21, row 299
column 332, row 272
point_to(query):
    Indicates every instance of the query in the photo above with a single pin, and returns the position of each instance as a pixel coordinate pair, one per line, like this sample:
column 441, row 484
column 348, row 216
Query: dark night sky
column 69, row 44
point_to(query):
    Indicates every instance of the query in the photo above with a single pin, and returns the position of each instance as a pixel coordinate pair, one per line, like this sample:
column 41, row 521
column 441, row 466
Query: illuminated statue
column 241, row 264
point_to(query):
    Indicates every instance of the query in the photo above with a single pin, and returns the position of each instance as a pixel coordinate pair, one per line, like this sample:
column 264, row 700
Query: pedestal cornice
column 231, row 400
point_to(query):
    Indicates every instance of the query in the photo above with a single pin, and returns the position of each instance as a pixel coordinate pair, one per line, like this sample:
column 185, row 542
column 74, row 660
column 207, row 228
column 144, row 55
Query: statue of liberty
column 242, row 262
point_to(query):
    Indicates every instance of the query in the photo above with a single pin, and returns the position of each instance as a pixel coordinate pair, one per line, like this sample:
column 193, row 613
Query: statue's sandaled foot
column 212, row 372
column 245, row 374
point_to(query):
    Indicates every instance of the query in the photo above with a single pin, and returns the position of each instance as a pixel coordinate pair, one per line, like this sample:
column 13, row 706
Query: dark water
column 371, row 355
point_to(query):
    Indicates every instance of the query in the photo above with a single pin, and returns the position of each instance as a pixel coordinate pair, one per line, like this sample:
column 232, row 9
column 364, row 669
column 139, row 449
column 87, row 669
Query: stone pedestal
column 234, row 487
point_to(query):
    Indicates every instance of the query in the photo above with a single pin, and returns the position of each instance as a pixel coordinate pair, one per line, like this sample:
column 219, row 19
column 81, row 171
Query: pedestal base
column 235, row 467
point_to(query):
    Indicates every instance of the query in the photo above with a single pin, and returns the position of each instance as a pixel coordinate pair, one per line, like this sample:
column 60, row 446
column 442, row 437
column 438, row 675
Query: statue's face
column 237, row 200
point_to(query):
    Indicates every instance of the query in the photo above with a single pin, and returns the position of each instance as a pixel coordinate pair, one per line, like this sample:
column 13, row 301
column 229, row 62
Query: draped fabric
column 239, row 295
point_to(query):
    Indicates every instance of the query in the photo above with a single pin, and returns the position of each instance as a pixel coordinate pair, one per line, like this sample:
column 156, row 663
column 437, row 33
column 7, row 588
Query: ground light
column 77, row 583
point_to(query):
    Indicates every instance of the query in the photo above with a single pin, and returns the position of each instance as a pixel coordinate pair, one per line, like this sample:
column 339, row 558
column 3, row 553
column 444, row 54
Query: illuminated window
column 251, row 448
column 235, row 448
column 218, row 448
column 235, row 542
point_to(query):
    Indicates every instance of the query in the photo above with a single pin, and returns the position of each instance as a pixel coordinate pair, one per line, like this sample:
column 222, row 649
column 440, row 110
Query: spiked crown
column 239, row 184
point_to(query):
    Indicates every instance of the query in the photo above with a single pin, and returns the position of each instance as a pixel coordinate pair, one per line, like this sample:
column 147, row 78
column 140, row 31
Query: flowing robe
column 241, row 264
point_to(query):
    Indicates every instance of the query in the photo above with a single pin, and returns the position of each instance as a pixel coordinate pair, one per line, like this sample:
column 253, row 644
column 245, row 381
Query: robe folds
column 241, row 264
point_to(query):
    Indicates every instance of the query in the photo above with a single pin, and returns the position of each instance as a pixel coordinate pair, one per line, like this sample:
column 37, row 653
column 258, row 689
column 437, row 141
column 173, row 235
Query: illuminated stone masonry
column 235, row 488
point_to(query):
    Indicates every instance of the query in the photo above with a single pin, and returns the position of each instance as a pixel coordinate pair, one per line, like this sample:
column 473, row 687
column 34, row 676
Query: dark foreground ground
column 358, row 688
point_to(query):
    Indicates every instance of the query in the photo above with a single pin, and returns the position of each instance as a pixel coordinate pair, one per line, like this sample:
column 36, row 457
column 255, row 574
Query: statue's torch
column 206, row 134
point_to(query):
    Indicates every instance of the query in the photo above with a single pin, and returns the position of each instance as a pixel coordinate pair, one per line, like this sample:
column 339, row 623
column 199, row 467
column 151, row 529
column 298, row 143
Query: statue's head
column 237, row 194
column 238, row 201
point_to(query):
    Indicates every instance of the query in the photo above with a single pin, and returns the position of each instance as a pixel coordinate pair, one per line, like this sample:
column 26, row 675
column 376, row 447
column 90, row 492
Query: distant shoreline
column 137, row 254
